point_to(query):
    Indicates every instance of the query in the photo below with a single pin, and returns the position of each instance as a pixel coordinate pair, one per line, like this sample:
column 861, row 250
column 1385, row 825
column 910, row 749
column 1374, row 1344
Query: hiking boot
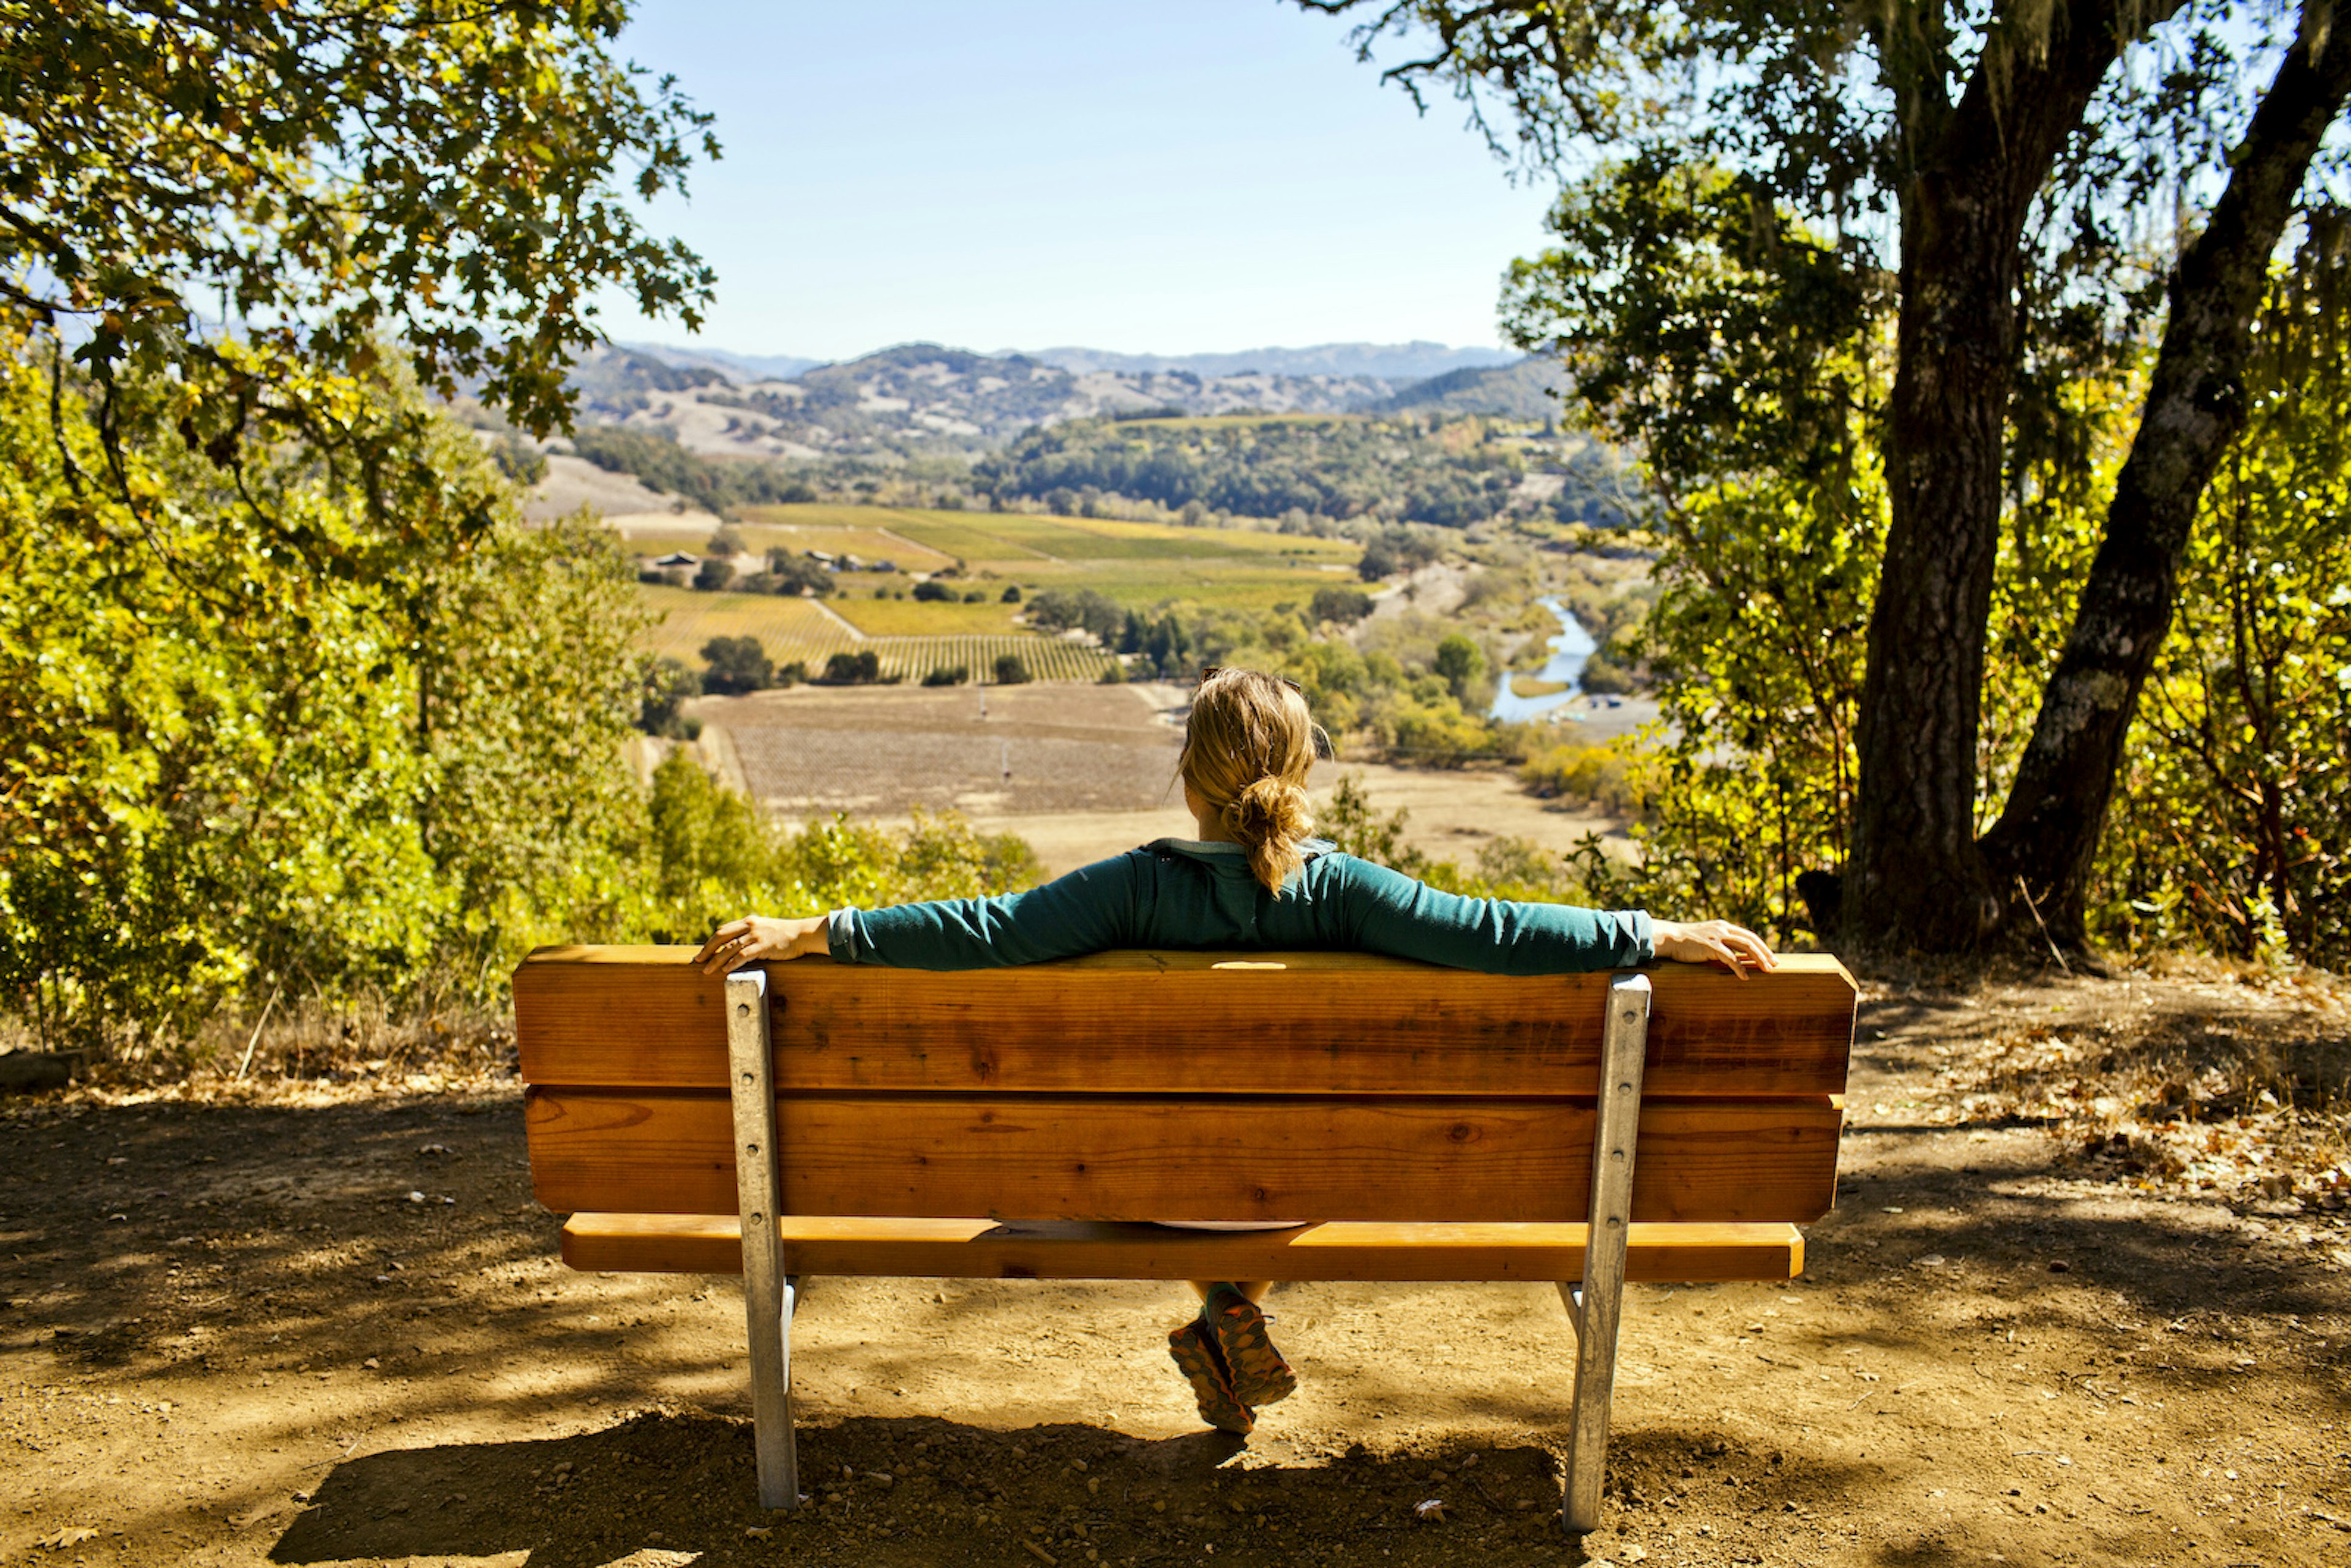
column 1260, row 1374
column 1194, row 1353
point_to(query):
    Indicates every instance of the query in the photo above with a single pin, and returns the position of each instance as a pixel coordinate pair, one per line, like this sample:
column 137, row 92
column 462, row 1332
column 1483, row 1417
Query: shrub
column 1088, row 609
column 1344, row 605
column 861, row 668
column 946, row 674
column 669, row 684
column 714, row 574
column 802, row 573
column 1011, row 594
column 1599, row 774
column 1010, row 670
column 934, row 592
column 737, row 665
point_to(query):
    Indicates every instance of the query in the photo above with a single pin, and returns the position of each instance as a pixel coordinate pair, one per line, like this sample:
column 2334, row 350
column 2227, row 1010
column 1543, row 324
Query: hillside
column 922, row 398
column 923, row 424
column 1526, row 389
column 916, row 398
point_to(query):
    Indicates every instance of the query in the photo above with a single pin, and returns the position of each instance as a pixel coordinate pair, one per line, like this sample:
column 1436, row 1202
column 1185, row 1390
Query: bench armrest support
column 1624, row 1048
column 759, row 1183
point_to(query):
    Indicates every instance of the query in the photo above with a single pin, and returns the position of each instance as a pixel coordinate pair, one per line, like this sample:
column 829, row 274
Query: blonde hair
column 1247, row 750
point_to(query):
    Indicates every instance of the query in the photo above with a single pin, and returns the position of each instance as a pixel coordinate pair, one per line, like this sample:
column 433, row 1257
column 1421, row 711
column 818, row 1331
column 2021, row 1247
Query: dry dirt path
column 334, row 1332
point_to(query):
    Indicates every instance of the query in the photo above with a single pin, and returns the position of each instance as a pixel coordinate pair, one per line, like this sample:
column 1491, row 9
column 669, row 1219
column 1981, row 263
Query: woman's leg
column 1260, row 1374
column 1254, row 1290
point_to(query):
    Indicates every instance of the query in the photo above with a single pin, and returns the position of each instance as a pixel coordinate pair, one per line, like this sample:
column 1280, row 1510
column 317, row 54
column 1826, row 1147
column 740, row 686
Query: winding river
column 1569, row 650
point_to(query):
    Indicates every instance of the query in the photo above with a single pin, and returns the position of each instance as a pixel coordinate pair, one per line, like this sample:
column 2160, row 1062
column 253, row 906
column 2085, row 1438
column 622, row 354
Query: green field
column 1140, row 566
column 914, row 617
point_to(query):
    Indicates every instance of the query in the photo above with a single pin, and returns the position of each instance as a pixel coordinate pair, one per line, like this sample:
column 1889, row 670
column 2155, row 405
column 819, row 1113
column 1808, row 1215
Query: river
column 1569, row 650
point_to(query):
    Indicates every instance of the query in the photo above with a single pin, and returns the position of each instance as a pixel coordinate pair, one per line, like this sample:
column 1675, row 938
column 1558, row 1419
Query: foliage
column 670, row 685
column 330, row 177
column 1056, row 610
column 713, row 856
column 792, row 575
column 1331, row 467
column 1011, row 670
column 1395, row 549
column 1599, row 776
column 736, row 666
column 946, row 674
column 1343, row 605
column 1457, row 664
column 227, row 769
column 2233, row 830
column 1798, row 242
column 862, row 667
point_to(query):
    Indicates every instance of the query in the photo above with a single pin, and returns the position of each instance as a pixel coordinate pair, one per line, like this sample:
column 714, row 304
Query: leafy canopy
column 240, row 189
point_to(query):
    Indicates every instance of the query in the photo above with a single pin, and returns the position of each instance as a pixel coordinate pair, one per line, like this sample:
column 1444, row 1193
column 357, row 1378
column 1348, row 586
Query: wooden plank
column 1349, row 1023
column 985, row 1250
column 1165, row 1157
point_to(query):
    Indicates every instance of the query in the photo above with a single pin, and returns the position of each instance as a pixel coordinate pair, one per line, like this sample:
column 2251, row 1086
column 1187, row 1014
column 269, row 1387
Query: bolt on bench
column 813, row 1118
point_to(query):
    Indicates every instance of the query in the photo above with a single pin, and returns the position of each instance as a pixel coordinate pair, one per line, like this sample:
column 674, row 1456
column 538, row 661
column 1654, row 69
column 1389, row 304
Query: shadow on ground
column 921, row 1491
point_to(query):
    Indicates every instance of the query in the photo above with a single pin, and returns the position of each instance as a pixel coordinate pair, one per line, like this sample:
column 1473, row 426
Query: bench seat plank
column 1349, row 1023
column 1165, row 1157
column 984, row 1249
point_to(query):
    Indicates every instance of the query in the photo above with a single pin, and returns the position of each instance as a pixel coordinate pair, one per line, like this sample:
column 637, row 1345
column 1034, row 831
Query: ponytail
column 1272, row 819
column 1247, row 750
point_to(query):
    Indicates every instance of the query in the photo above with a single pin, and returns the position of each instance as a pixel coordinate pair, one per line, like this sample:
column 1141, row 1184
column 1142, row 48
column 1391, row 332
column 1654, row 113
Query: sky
column 1148, row 176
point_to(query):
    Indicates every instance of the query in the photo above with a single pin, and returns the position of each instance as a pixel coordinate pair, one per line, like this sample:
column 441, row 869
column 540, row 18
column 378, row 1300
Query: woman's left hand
column 757, row 937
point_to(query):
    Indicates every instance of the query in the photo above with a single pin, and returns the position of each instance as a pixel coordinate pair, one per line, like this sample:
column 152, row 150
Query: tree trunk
column 2048, row 834
column 1914, row 877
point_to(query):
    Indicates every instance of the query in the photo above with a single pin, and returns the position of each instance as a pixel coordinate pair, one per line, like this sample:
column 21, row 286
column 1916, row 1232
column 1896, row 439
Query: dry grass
column 2233, row 1084
column 317, row 1052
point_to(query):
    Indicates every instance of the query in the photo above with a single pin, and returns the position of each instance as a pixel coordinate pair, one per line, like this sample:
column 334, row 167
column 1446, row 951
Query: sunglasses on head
column 1210, row 672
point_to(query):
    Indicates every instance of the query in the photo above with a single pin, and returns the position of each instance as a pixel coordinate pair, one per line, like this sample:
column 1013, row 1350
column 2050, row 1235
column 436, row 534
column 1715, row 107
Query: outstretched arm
column 1090, row 909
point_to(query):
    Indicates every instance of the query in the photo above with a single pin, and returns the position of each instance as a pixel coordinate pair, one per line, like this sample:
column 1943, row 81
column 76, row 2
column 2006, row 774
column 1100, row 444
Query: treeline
column 1450, row 474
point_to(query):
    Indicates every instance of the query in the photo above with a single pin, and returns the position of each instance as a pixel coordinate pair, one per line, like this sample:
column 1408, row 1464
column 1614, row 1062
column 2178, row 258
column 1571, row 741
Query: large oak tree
column 2008, row 170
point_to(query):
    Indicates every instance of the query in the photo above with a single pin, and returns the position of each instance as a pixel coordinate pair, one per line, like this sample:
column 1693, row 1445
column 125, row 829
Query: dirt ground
column 323, row 1322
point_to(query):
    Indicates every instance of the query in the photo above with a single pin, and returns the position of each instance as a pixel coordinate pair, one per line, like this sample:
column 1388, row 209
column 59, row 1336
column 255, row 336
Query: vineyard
column 792, row 630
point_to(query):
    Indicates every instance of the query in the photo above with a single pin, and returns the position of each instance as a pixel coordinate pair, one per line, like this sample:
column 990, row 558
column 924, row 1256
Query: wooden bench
column 1028, row 1123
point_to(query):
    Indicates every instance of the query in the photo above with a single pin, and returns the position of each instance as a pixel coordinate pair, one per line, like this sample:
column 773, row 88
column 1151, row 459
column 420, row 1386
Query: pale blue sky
column 1164, row 176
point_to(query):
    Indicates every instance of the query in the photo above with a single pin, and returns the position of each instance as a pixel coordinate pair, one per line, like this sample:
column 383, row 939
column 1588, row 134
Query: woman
column 1253, row 879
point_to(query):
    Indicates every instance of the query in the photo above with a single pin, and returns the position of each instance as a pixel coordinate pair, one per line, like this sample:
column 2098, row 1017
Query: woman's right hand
column 757, row 937
column 1711, row 942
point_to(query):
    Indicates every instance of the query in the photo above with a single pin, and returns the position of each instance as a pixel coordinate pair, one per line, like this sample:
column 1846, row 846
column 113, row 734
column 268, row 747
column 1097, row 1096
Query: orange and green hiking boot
column 1194, row 1350
column 1260, row 1374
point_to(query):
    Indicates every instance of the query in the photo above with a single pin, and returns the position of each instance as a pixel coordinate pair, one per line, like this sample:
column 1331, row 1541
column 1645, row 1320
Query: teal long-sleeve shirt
column 1179, row 893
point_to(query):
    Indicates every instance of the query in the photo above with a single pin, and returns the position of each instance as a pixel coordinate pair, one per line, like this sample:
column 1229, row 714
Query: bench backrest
column 1182, row 1086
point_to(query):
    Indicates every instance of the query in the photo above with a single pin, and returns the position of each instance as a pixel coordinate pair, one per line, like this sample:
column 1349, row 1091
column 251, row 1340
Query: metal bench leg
column 767, row 1292
column 1624, row 1048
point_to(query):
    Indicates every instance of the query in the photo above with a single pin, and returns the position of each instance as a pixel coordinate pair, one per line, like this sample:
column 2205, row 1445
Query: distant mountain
column 736, row 367
column 916, row 397
column 1527, row 389
column 1379, row 362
